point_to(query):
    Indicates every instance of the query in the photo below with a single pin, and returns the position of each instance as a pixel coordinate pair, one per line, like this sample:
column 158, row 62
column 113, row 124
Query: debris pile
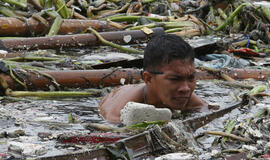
column 248, row 135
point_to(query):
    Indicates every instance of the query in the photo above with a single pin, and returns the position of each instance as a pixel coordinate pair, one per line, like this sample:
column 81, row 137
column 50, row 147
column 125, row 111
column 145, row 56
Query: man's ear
column 147, row 77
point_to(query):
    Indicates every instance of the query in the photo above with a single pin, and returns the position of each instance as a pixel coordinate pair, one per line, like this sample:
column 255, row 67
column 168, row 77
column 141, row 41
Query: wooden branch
column 223, row 134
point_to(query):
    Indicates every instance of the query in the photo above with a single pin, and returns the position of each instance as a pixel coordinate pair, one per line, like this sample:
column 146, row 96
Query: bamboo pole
column 106, row 77
column 231, row 17
column 14, row 27
column 72, row 79
column 16, row 3
column 53, row 94
column 78, row 40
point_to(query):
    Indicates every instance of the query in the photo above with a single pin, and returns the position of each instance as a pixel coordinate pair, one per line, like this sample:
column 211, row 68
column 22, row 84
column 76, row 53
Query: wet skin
column 171, row 86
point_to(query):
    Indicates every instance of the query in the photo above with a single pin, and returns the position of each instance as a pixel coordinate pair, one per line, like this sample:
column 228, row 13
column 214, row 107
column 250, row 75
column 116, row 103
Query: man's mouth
column 184, row 97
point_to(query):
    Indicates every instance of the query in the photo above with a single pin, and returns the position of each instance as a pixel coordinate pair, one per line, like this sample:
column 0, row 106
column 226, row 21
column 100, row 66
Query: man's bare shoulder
column 130, row 92
column 113, row 102
column 196, row 103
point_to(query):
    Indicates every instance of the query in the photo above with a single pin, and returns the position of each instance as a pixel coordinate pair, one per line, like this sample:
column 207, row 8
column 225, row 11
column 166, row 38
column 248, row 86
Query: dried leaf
column 147, row 30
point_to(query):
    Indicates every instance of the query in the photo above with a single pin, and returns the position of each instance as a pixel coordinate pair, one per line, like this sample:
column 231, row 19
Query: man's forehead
column 181, row 64
column 178, row 62
column 179, row 70
column 174, row 67
column 180, row 73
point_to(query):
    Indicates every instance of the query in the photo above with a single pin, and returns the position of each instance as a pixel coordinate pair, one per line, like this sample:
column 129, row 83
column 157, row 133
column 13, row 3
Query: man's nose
column 184, row 87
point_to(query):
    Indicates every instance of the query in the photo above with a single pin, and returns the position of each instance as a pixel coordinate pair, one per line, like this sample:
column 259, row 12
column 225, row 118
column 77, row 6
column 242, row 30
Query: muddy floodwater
column 35, row 116
column 47, row 116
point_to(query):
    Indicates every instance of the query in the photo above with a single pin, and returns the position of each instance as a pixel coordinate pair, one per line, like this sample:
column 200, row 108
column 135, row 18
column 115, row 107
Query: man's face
column 174, row 84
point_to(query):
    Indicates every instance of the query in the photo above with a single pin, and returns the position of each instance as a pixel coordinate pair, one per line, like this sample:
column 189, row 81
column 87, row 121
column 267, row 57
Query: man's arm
column 112, row 104
column 109, row 110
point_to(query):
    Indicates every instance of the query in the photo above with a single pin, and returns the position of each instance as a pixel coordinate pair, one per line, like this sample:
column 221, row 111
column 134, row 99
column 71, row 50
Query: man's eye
column 173, row 79
column 191, row 78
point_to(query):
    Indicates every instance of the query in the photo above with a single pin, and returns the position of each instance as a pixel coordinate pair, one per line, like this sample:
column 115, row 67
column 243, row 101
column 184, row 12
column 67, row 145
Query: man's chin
column 179, row 105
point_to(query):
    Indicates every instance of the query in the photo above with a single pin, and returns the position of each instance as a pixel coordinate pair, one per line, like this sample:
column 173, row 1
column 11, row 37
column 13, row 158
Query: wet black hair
column 164, row 48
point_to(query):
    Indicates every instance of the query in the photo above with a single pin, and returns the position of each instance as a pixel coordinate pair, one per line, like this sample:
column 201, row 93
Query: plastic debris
column 219, row 61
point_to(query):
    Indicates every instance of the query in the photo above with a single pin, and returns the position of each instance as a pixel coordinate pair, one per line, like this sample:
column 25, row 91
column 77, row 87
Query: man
column 169, row 80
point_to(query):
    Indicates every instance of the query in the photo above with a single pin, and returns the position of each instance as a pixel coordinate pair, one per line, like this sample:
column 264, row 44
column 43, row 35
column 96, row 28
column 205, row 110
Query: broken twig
column 218, row 133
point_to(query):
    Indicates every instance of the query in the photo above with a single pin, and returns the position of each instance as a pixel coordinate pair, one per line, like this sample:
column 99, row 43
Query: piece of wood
column 14, row 27
column 194, row 123
column 77, row 40
column 73, row 79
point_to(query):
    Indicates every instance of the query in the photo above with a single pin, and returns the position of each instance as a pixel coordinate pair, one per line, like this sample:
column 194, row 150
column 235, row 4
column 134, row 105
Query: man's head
column 169, row 71
column 164, row 48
